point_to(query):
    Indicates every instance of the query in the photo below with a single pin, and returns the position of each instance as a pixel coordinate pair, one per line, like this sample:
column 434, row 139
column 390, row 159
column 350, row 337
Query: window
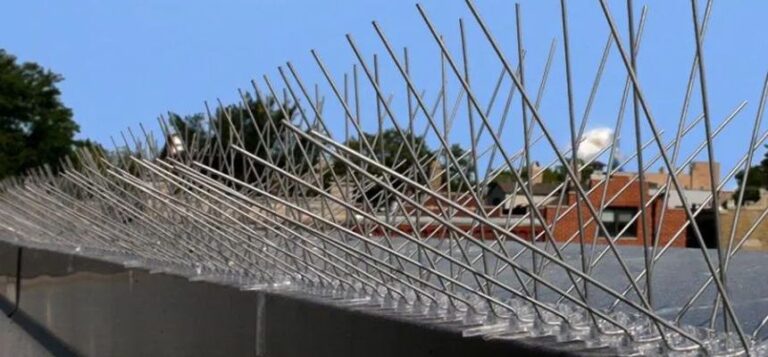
column 615, row 219
column 520, row 210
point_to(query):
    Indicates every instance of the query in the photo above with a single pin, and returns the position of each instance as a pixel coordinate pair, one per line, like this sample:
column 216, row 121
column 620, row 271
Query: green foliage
column 755, row 180
column 548, row 175
column 86, row 152
column 465, row 165
column 554, row 175
column 255, row 126
column 35, row 127
column 389, row 149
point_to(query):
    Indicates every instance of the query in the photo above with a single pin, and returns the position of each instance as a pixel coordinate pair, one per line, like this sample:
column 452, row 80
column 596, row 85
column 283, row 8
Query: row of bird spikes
column 267, row 197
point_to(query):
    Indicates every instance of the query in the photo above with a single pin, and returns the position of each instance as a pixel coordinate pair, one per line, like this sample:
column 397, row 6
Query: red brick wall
column 568, row 226
column 674, row 219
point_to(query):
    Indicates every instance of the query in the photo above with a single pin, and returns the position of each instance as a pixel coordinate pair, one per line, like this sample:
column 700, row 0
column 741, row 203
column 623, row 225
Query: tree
column 35, row 126
column 556, row 175
column 764, row 171
column 755, row 181
column 388, row 149
column 256, row 126
column 465, row 165
column 560, row 172
column 86, row 152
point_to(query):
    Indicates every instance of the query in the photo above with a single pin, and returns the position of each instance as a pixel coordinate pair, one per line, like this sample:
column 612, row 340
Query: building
column 500, row 193
column 695, row 198
column 697, row 177
column 751, row 219
column 620, row 215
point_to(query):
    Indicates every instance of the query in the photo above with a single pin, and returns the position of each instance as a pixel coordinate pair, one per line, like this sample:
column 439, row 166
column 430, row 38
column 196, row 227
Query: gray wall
column 75, row 306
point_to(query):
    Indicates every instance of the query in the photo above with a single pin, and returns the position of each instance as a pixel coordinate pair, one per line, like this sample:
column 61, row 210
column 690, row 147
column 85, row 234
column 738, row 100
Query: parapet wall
column 72, row 306
column 758, row 240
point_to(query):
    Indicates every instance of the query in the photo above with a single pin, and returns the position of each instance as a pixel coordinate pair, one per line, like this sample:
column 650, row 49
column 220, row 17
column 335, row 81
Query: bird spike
column 396, row 213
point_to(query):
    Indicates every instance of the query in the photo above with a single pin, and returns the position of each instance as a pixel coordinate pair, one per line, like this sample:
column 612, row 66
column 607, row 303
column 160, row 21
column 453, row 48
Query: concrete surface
column 73, row 306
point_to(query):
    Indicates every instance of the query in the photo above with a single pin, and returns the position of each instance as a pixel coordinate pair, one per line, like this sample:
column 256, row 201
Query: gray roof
column 694, row 197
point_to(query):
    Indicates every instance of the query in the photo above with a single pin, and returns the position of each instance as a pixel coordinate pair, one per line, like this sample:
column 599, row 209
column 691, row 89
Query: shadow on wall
column 706, row 222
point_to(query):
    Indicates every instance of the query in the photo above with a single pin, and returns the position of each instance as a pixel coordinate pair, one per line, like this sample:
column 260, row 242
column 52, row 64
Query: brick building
column 623, row 203
column 697, row 177
column 619, row 211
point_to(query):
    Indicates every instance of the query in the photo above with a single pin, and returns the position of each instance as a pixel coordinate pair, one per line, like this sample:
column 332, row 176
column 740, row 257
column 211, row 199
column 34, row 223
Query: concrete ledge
column 77, row 306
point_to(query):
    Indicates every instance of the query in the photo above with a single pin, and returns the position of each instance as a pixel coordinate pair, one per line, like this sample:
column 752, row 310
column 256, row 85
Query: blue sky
column 126, row 62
